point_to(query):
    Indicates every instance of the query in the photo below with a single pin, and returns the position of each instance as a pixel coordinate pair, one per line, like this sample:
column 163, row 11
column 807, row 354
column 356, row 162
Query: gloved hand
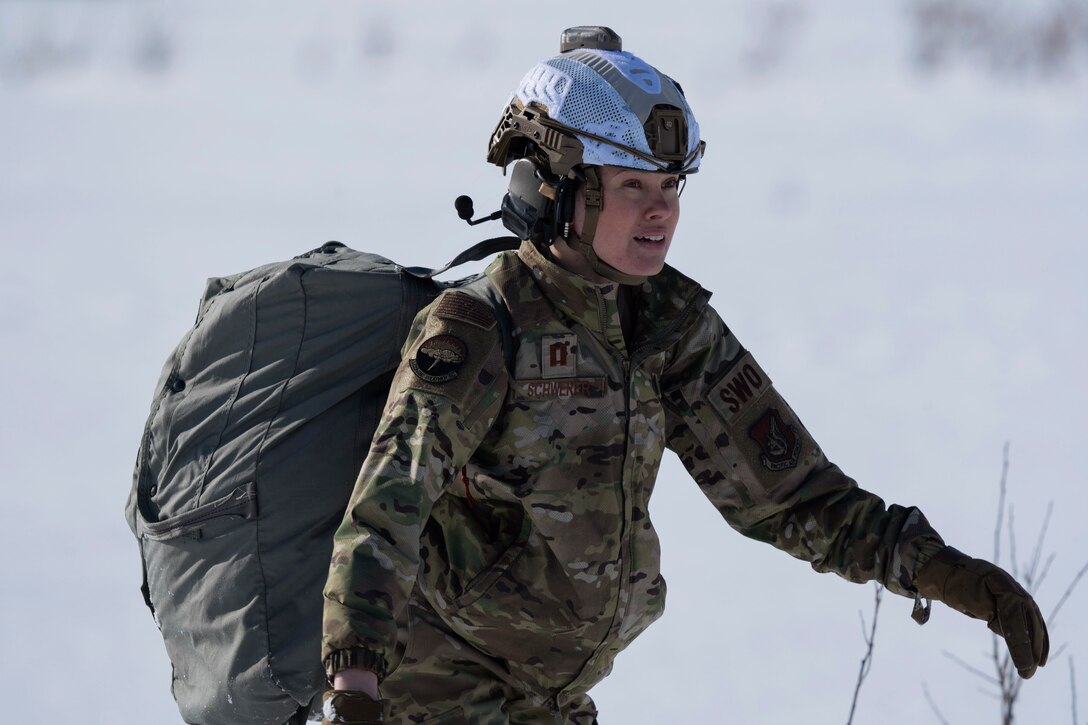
column 982, row 590
column 351, row 707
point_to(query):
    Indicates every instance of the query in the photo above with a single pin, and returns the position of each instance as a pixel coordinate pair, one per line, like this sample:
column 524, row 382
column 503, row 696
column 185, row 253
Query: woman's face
column 637, row 220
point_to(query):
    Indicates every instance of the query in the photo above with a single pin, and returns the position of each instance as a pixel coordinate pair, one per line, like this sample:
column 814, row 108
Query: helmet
column 592, row 105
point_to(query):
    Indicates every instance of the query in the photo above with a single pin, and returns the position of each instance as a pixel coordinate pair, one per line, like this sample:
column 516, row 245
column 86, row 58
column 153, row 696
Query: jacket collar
column 666, row 303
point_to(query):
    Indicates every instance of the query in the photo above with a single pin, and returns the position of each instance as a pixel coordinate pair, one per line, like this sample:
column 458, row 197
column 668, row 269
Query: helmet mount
column 592, row 105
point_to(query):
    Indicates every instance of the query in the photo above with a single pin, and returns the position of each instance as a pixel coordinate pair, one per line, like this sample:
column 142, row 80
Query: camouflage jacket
column 514, row 502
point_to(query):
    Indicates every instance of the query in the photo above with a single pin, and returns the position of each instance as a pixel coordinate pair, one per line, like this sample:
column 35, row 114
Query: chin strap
column 583, row 243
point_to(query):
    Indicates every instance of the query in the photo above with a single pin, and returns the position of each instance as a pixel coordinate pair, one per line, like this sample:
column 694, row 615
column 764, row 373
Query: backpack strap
column 482, row 288
column 476, row 252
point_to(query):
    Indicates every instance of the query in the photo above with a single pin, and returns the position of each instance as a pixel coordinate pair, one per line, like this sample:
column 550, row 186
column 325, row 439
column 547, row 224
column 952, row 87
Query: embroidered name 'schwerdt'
column 559, row 389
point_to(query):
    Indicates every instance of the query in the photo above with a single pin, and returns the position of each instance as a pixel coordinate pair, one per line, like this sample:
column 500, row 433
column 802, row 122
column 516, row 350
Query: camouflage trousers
column 444, row 680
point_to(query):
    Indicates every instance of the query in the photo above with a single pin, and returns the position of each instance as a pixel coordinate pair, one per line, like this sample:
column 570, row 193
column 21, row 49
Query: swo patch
column 738, row 388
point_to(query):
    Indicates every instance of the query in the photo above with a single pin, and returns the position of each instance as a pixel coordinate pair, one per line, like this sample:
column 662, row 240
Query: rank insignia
column 779, row 442
column 439, row 359
column 559, row 356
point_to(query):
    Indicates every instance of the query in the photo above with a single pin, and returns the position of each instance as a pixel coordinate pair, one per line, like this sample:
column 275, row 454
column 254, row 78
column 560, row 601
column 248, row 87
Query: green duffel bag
column 262, row 417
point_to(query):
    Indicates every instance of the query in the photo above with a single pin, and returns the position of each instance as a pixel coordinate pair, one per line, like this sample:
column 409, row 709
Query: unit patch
column 779, row 442
column 559, row 356
column 560, row 389
column 744, row 382
column 466, row 308
column 439, row 359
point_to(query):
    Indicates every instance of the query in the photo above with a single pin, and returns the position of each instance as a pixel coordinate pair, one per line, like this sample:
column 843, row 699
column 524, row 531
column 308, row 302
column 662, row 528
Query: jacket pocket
column 456, row 716
column 482, row 582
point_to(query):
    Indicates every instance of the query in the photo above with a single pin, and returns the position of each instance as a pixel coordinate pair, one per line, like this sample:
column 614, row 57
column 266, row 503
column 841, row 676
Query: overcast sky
column 901, row 246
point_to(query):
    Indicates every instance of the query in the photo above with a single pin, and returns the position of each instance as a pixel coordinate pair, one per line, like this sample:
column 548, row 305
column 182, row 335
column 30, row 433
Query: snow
column 903, row 251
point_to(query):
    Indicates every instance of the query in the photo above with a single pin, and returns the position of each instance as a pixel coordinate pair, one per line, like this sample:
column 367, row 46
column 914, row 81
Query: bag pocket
column 239, row 503
column 204, row 582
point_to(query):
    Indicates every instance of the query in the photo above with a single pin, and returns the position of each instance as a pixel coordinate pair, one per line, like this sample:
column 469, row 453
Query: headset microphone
column 463, row 205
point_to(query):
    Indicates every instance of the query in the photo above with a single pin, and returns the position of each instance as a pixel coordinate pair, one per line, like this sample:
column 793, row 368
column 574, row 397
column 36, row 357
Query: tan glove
column 982, row 590
column 351, row 707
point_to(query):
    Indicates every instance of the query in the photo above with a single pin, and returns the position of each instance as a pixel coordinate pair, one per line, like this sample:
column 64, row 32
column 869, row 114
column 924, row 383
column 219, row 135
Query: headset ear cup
column 525, row 210
column 564, row 207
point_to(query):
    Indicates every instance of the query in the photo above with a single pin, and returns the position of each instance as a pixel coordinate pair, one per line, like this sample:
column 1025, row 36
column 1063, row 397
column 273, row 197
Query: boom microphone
column 463, row 205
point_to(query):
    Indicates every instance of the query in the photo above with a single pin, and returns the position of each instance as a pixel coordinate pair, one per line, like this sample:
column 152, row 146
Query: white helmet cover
column 609, row 94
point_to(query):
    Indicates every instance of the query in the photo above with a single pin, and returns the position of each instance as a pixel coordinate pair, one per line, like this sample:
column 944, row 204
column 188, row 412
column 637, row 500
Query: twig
column 1030, row 578
column 973, row 670
column 1001, row 502
column 1068, row 591
column 1013, row 564
column 867, row 660
column 1073, row 689
column 1046, row 570
column 933, row 705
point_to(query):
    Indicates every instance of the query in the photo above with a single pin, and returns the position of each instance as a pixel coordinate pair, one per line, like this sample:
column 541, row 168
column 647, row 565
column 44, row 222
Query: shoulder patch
column 465, row 308
column 439, row 359
column 744, row 383
column 779, row 441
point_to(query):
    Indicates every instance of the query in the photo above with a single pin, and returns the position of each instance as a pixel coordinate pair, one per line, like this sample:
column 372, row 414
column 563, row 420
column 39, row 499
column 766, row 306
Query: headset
column 537, row 206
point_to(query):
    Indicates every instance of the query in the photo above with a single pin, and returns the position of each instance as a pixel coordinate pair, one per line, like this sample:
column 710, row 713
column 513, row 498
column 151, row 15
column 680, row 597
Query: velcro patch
column 779, row 442
column 559, row 356
column 744, row 383
column 559, row 389
column 466, row 308
column 439, row 359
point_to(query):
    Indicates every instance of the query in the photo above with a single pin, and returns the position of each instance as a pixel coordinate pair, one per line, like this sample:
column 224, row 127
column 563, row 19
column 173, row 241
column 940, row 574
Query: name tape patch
column 560, row 389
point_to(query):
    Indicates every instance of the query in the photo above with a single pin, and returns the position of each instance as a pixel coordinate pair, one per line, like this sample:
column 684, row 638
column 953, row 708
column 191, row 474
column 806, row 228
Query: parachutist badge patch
column 439, row 359
column 779, row 442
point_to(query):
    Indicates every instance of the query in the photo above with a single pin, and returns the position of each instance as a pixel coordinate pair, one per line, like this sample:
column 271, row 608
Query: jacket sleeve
column 754, row 460
column 446, row 394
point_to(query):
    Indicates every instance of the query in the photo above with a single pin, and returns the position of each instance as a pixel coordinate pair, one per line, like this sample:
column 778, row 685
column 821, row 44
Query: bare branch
column 1014, row 564
column 970, row 668
column 1073, row 688
column 1031, row 582
column 867, row 660
column 1068, row 591
column 933, row 705
column 1046, row 570
column 1001, row 502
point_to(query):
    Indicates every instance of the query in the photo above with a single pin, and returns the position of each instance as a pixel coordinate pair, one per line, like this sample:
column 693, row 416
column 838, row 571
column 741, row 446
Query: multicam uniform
column 502, row 515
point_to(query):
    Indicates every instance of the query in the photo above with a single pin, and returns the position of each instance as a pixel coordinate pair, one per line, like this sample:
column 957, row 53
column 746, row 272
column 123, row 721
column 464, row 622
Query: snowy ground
column 904, row 253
